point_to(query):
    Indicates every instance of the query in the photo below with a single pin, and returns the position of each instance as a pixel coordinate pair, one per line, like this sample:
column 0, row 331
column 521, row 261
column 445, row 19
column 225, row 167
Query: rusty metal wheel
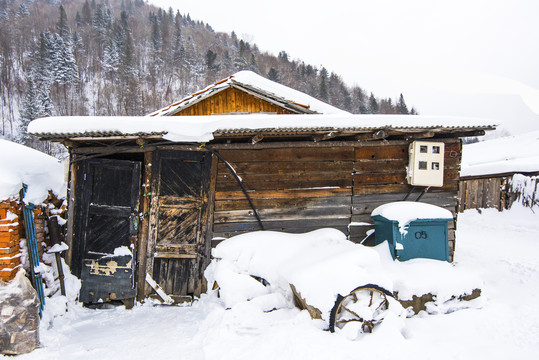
column 366, row 304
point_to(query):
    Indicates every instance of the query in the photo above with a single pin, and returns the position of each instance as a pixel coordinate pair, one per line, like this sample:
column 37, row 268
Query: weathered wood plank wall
column 302, row 189
column 294, row 190
column 232, row 100
column 497, row 191
column 483, row 193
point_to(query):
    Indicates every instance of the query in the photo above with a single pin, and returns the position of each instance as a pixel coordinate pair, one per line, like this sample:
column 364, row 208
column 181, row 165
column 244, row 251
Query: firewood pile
column 19, row 316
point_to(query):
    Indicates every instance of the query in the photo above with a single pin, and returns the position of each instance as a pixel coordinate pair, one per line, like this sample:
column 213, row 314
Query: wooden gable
column 232, row 100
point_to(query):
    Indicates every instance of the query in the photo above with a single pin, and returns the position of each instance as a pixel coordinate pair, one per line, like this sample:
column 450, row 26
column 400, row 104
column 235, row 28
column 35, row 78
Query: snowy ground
column 501, row 248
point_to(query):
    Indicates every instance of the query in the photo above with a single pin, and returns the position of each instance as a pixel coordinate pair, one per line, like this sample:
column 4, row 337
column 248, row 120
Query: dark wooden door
column 106, row 228
column 179, row 203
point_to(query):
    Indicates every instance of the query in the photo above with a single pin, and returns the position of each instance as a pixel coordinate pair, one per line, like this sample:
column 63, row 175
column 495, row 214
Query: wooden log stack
column 11, row 230
column 19, row 317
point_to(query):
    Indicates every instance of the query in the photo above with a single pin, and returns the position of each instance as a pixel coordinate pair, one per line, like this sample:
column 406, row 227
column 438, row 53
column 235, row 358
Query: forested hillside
column 125, row 57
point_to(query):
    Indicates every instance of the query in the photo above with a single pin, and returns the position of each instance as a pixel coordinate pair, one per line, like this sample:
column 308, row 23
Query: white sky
column 460, row 57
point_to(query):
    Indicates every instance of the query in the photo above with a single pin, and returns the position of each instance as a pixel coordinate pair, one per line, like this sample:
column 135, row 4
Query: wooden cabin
column 168, row 189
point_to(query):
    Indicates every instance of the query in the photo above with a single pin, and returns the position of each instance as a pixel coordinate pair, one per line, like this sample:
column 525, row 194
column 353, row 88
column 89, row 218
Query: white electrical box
column 426, row 166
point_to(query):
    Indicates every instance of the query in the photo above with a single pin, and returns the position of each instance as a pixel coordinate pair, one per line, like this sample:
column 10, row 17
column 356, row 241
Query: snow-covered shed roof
column 21, row 164
column 261, row 87
column 207, row 128
column 507, row 155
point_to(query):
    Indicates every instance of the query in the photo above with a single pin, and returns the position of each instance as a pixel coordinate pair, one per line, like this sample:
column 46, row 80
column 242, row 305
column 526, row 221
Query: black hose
column 409, row 193
column 240, row 182
column 423, row 193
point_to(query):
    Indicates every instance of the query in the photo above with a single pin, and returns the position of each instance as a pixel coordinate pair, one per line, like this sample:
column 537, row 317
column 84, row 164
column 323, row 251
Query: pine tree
column 78, row 19
column 111, row 56
column 171, row 17
column 253, row 66
column 283, row 56
column 373, row 107
column 178, row 51
column 30, row 110
column 45, row 101
column 401, row 106
column 358, row 100
column 165, row 31
column 65, row 66
column 128, row 63
column 62, row 28
column 100, row 24
column 86, row 17
column 156, row 35
column 210, row 60
column 130, row 87
column 323, row 88
column 346, row 98
column 42, row 69
column 23, row 10
column 273, row 75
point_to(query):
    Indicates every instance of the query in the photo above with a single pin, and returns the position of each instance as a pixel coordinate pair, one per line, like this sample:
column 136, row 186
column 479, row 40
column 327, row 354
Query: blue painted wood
column 31, row 243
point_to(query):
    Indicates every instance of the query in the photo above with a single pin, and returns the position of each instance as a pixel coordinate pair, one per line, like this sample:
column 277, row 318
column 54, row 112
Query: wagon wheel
column 366, row 304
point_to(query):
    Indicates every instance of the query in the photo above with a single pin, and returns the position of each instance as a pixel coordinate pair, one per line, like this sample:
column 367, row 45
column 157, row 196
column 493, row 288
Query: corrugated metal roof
column 205, row 128
column 349, row 129
column 95, row 134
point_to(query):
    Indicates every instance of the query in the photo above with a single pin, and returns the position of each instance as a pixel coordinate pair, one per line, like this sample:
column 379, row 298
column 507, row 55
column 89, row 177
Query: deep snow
column 500, row 248
column 509, row 154
column 21, row 164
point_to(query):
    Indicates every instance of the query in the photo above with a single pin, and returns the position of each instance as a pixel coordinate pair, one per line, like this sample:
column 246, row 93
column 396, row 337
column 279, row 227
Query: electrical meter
column 426, row 166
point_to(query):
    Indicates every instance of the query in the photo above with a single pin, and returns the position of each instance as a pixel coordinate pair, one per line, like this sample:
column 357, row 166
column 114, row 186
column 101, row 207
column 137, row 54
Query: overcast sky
column 460, row 57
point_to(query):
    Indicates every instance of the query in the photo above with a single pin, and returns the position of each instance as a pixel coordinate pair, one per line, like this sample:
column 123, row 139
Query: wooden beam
column 257, row 138
column 67, row 143
column 310, row 144
column 376, row 135
column 71, row 207
column 142, row 251
column 421, row 135
column 325, row 136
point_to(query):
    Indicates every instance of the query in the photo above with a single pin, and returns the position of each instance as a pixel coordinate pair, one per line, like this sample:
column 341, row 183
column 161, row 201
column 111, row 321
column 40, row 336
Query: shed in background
column 499, row 172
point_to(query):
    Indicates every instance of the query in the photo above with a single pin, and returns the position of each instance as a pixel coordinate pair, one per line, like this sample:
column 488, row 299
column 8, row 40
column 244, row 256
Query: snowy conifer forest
column 126, row 57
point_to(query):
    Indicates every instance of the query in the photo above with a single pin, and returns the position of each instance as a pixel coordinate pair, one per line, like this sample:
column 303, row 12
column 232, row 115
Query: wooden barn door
column 107, row 198
column 179, row 206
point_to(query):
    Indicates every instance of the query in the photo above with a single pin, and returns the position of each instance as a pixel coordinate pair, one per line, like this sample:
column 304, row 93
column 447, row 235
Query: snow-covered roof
column 21, row 164
column 204, row 128
column 512, row 154
column 259, row 86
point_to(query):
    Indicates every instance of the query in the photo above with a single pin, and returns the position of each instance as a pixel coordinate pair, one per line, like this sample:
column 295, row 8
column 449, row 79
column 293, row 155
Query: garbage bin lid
column 406, row 211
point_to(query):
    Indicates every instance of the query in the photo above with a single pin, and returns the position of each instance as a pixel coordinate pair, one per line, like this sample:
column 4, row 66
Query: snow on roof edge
column 510, row 154
column 202, row 128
